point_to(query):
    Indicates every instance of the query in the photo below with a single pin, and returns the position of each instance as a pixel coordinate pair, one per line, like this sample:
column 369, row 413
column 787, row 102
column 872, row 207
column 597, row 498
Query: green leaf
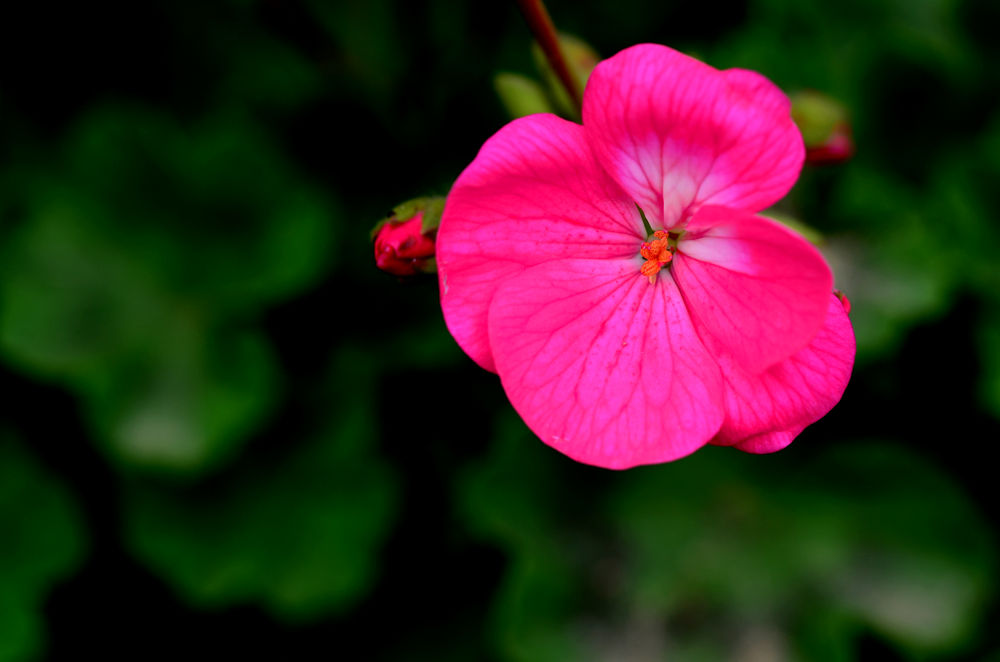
column 893, row 271
column 133, row 270
column 700, row 558
column 187, row 404
column 298, row 536
column 43, row 541
column 166, row 383
column 511, row 498
column 988, row 335
column 212, row 211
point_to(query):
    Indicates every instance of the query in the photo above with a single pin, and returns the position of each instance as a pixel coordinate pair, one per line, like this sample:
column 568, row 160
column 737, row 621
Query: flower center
column 657, row 254
column 658, row 249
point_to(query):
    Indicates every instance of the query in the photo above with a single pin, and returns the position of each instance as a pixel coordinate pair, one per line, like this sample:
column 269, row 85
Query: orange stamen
column 656, row 253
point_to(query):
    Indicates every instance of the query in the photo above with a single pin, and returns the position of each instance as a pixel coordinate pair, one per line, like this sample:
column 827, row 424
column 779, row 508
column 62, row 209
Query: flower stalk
column 540, row 24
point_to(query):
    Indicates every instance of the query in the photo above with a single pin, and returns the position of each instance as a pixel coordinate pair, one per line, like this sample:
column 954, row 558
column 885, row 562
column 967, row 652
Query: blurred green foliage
column 152, row 245
column 722, row 556
column 43, row 542
column 299, row 536
column 215, row 393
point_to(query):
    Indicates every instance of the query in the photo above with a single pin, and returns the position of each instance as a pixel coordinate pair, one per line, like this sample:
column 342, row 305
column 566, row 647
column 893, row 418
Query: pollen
column 656, row 253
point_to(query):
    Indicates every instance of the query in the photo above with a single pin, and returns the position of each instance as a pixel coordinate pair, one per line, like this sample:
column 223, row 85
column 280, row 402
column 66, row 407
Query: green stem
column 541, row 26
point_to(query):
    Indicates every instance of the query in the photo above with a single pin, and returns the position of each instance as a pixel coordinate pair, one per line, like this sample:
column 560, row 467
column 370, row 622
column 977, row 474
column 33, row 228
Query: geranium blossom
column 616, row 277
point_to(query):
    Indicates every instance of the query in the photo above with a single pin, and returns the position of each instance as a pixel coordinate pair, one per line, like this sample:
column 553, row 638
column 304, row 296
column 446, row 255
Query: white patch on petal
column 718, row 248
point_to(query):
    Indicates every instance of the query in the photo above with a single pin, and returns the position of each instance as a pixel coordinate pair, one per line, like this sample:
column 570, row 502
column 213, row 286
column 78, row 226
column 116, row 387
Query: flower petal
column 602, row 365
column 765, row 412
column 756, row 291
column 534, row 193
column 769, row 442
column 677, row 133
column 757, row 90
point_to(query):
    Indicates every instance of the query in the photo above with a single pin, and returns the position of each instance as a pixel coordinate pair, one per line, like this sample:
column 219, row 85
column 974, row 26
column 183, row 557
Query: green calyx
column 431, row 206
column 817, row 115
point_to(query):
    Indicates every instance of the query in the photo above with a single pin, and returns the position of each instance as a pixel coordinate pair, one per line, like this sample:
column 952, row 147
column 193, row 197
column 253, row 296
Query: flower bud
column 837, row 149
column 404, row 242
column 826, row 129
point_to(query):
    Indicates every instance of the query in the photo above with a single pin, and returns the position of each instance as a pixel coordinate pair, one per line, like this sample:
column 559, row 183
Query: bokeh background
column 224, row 433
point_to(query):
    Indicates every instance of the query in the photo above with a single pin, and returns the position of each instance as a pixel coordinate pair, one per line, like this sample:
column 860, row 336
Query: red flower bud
column 825, row 126
column 402, row 249
column 839, row 147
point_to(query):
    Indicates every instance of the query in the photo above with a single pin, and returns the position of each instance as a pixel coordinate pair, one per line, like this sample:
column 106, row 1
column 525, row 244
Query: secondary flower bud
column 838, row 148
column 825, row 128
column 401, row 249
column 404, row 242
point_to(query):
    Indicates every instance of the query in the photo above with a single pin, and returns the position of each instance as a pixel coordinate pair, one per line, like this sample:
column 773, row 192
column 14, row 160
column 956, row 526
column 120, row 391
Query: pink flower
column 620, row 346
column 401, row 248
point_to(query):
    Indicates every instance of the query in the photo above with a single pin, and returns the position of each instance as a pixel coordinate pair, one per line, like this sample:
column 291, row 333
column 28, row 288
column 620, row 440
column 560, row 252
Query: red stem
column 541, row 26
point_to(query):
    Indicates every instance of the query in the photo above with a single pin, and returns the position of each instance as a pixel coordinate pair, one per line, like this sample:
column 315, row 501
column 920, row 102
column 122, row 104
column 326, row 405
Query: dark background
column 224, row 432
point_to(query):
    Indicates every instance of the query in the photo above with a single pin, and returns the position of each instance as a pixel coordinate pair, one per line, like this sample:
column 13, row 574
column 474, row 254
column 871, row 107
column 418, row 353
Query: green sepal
column 431, row 206
column 520, row 95
column 817, row 116
column 645, row 223
column 581, row 59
